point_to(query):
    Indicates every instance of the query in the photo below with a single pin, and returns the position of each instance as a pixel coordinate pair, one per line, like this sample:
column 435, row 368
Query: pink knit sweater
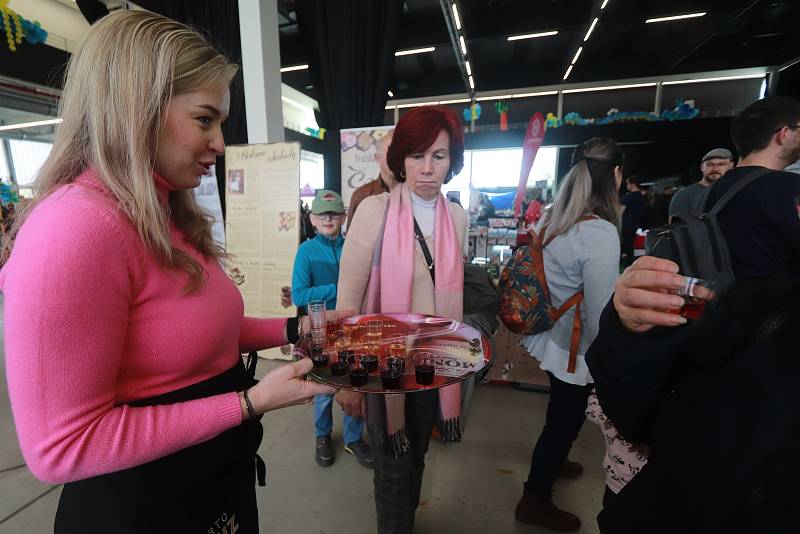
column 92, row 323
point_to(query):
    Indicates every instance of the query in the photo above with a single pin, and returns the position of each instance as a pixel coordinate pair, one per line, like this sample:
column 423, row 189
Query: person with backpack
column 712, row 398
column 579, row 244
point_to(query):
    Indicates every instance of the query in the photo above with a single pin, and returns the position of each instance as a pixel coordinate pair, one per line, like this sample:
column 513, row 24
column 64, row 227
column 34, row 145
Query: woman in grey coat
column 582, row 255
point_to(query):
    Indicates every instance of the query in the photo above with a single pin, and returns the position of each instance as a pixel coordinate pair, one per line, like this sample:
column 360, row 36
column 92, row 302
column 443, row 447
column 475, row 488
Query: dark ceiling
column 733, row 34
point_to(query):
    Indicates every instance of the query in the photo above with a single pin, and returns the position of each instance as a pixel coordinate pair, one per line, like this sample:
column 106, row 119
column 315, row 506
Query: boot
column 536, row 510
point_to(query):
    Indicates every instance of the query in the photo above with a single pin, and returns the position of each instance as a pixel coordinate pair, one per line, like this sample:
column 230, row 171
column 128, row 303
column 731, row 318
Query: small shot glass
column 424, row 368
column 370, row 352
column 319, row 355
column 358, row 373
column 696, row 292
column 391, row 371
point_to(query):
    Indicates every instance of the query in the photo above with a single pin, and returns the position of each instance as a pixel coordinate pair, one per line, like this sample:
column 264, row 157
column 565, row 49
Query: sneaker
column 362, row 452
column 324, row 452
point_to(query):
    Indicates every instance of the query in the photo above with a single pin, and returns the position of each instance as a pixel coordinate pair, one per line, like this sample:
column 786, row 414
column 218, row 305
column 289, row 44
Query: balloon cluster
column 17, row 27
column 684, row 110
column 318, row 133
column 502, row 110
column 13, row 33
column 472, row 112
column 34, row 33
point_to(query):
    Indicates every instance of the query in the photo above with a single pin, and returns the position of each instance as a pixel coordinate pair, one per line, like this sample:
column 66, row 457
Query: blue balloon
column 467, row 115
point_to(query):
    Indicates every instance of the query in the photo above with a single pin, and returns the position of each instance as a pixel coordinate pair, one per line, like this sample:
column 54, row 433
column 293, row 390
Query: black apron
column 208, row 488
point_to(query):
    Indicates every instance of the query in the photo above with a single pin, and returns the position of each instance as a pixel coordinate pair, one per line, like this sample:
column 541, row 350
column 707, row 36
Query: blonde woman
column 123, row 334
column 582, row 229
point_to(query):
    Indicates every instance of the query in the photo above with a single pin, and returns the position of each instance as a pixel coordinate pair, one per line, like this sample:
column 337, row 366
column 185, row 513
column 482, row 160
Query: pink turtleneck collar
column 163, row 187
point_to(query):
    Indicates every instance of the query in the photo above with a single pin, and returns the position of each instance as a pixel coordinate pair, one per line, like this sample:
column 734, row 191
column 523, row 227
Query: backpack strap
column 735, row 189
column 575, row 340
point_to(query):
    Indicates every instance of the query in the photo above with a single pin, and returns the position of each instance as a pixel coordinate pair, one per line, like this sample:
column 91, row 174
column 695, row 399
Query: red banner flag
column 534, row 135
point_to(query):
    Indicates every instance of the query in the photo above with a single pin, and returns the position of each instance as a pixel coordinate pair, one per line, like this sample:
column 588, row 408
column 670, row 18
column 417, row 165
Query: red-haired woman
column 426, row 151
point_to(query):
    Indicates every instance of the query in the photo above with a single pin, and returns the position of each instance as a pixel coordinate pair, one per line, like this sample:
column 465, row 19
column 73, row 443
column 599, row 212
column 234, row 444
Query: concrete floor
column 470, row 487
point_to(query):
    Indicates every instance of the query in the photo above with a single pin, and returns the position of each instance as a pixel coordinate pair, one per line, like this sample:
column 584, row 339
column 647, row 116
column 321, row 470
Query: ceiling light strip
column 605, row 3
column 21, row 125
column 455, row 16
column 577, row 55
column 497, row 97
column 540, row 93
column 463, row 44
column 415, row 51
column 591, row 29
column 610, row 87
column 295, row 67
column 469, row 68
column 456, row 101
column 566, row 74
column 718, row 79
column 532, row 35
column 675, row 17
column 471, row 83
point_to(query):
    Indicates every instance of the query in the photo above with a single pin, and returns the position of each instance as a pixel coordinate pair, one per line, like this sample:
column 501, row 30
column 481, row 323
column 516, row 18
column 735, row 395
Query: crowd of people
column 150, row 418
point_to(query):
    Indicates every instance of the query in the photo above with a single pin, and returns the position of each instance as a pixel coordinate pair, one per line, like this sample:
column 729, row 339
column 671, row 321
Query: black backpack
column 480, row 294
column 696, row 243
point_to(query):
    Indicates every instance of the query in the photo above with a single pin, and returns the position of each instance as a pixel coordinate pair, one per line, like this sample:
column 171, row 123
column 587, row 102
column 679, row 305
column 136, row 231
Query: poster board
column 262, row 199
column 358, row 158
column 207, row 197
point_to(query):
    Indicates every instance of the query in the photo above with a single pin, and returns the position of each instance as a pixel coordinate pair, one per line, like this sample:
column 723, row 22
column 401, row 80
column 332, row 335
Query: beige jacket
column 356, row 262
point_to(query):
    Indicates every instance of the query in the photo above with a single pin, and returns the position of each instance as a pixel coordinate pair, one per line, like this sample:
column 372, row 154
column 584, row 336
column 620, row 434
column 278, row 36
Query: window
column 499, row 168
column 28, row 157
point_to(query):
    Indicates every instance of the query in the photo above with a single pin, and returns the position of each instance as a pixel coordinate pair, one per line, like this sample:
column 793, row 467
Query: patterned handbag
column 525, row 306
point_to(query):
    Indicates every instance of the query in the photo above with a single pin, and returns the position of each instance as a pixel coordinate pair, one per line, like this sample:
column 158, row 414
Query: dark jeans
column 398, row 479
column 566, row 412
column 626, row 243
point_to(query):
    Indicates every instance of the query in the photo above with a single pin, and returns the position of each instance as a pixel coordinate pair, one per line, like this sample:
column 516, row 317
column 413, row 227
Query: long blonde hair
column 588, row 188
column 118, row 85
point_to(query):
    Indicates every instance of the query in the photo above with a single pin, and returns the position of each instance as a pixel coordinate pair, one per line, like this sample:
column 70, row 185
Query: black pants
column 566, row 412
column 626, row 243
column 398, row 478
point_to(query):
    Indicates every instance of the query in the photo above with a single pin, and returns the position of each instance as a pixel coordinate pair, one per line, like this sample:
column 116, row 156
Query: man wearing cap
column 714, row 165
column 315, row 275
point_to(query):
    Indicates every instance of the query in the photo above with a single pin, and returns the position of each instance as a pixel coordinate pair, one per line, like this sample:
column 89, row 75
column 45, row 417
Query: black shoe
column 362, row 452
column 324, row 452
column 540, row 511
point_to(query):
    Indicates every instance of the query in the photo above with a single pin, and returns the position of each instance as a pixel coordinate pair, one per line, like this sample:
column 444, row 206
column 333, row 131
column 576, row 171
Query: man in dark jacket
column 714, row 398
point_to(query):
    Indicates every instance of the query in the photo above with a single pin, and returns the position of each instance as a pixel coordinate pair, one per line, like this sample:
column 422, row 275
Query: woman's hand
column 645, row 294
column 352, row 403
column 331, row 316
column 284, row 386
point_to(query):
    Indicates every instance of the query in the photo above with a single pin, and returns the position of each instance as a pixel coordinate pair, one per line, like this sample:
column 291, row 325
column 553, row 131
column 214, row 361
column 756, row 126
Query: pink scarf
column 390, row 288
